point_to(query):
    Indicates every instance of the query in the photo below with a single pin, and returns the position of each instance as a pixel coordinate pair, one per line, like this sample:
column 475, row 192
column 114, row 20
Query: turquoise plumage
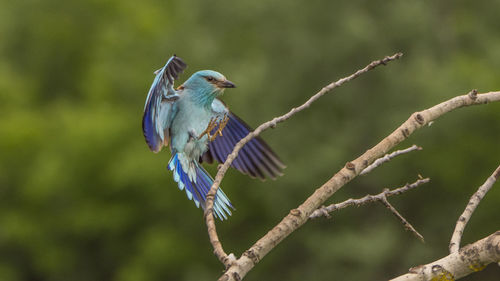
column 200, row 128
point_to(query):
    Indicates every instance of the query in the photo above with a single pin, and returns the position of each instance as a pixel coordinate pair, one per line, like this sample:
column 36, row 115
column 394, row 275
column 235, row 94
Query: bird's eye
column 210, row 79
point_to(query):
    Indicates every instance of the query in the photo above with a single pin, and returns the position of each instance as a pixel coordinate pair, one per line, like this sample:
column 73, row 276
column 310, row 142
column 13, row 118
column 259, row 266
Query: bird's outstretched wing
column 255, row 159
column 159, row 107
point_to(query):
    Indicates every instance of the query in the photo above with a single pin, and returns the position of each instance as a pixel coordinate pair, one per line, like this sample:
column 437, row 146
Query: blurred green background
column 82, row 197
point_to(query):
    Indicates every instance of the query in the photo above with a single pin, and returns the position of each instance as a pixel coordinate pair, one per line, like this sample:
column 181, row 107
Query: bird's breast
column 190, row 120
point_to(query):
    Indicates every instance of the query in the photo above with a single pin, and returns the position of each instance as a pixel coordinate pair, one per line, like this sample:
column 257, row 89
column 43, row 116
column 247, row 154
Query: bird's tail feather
column 197, row 190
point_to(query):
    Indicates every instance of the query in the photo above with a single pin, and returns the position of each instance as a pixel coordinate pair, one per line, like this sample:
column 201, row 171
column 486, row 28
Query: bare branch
column 471, row 206
column 469, row 259
column 212, row 233
column 388, row 157
column 325, row 211
column 297, row 217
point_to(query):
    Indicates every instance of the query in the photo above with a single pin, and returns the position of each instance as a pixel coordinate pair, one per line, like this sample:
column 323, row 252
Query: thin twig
column 388, row 157
column 325, row 211
column 405, row 223
column 471, row 206
column 297, row 217
column 214, row 239
column 471, row 258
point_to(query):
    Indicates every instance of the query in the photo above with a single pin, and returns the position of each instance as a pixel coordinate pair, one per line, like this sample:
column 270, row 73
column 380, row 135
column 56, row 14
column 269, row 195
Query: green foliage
column 82, row 198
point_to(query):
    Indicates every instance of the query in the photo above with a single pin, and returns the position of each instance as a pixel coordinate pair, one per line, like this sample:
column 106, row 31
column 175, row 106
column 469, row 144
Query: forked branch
column 381, row 197
column 325, row 211
column 297, row 217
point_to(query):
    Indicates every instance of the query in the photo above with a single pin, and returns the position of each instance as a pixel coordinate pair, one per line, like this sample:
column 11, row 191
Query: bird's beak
column 226, row 84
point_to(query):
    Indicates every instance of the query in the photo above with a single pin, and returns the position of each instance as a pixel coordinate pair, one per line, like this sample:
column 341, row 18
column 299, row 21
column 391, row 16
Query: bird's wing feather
column 160, row 104
column 255, row 159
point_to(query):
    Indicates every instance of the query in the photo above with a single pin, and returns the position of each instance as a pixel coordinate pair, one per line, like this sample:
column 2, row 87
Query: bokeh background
column 82, row 197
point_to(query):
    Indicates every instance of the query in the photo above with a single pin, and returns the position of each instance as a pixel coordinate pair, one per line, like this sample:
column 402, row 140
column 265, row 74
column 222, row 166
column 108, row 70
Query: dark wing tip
column 173, row 68
column 269, row 161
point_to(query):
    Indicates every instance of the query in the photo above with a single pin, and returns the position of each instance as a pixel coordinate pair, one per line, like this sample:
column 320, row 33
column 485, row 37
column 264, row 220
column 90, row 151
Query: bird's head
column 208, row 82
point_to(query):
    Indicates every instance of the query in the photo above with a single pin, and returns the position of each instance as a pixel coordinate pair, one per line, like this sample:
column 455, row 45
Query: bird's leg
column 210, row 127
column 222, row 125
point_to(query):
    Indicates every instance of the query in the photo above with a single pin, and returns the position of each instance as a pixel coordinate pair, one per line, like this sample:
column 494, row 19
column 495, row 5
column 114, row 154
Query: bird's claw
column 211, row 125
column 222, row 124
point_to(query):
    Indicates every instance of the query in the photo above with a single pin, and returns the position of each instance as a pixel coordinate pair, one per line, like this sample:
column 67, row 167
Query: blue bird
column 200, row 128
